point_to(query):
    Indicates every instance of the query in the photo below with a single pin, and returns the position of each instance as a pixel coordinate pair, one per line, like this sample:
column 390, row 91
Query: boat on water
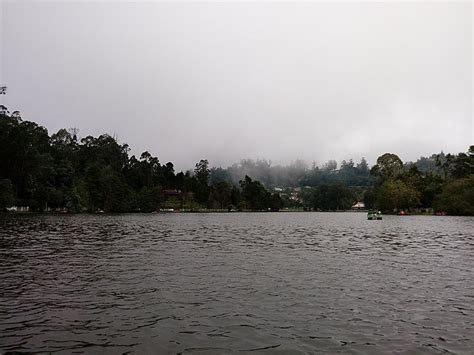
column 374, row 215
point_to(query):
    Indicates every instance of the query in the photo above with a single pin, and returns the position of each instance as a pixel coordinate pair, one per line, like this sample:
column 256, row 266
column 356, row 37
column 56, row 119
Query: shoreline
column 213, row 211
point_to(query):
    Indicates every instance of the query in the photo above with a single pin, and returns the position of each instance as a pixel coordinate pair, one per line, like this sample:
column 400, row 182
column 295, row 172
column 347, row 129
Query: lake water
column 242, row 282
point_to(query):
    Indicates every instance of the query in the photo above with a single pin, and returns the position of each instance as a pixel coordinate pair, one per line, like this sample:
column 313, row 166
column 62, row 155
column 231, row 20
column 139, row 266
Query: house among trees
column 358, row 206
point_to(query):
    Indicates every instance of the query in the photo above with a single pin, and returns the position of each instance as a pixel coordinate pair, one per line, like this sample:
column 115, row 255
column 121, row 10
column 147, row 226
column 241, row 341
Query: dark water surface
column 218, row 283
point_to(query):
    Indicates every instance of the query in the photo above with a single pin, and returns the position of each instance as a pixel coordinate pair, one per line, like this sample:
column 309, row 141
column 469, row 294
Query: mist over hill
column 63, row 172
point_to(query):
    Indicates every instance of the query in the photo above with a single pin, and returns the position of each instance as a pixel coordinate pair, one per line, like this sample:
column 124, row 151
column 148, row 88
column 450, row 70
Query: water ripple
column 221, row 283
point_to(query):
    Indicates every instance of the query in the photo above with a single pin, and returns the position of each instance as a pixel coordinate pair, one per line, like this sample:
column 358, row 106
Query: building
column 358, row 206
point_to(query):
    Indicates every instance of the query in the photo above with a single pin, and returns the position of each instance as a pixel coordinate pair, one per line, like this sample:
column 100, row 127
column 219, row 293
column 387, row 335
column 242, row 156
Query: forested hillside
column 64, row 172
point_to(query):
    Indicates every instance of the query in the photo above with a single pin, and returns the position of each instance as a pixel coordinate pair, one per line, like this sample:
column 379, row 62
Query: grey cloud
column 226, row 81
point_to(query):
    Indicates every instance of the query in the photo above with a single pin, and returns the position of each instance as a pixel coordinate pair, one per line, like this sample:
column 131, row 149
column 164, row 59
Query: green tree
column 220, row 195
column 457, row 197
column 76, row 200
column 369, row 198
column 149, row 199
column 7, row 195
column 201, row 173
column 462, row 165
column 427, row 184
column 332, row 197
column 254, row 195
column 235, row 198
column 388, row 166
column 395, row 195
column 56, row 197
column 276, row 203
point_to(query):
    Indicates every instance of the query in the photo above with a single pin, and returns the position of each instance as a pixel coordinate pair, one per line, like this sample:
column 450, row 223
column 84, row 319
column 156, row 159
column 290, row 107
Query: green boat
column 374, row 215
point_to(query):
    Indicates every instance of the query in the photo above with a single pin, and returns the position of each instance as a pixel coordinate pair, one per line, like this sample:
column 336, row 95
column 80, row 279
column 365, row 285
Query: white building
column 358, row 206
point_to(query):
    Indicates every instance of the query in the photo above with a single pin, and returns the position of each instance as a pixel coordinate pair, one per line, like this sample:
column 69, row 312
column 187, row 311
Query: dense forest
column 61, row 172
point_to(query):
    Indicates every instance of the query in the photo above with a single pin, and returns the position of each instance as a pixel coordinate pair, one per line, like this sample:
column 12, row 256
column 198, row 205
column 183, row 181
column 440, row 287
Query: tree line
column 63, row 172
column 449, row 188
column 92, row 174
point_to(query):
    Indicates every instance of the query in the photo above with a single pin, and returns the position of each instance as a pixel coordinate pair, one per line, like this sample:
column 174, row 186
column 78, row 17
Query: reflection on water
column 218, row 283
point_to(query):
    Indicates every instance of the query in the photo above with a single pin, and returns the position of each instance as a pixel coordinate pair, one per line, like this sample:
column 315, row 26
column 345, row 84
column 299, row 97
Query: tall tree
column 388, row 166
column 395, row 195
column 457, row 197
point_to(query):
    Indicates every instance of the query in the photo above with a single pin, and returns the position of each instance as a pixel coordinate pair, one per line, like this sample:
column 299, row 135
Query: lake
column 236, row 282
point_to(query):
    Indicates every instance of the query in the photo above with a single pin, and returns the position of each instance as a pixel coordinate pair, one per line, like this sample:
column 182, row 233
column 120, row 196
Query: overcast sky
column 226, row 81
